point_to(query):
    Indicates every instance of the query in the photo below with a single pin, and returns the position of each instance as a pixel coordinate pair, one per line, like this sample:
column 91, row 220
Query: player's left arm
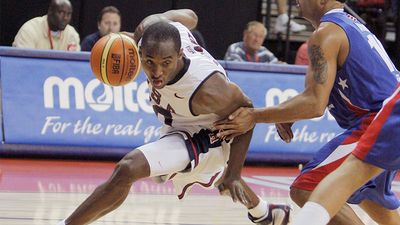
column 218, row 95
column 187, row 17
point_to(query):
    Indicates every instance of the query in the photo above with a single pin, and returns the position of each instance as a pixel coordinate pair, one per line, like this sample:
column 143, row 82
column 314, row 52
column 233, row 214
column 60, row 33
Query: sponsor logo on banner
column 116, row 98
column 71, row 94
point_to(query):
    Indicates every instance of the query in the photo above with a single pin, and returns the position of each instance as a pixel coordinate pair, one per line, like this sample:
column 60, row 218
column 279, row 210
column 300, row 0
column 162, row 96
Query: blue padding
column 58, row 151
column 264, row 67
column 47, row 54
column 244, row 66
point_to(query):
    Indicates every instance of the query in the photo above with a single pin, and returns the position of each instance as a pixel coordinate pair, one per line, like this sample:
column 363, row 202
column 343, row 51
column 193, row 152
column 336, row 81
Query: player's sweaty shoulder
column 327, row 32
column 215, row 92
column 331, row 39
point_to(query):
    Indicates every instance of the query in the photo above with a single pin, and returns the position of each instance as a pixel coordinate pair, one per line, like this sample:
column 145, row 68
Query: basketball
column 114, row 59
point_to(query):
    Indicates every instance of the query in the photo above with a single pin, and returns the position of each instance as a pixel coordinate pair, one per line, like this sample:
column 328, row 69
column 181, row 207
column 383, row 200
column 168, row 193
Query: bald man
column 251, row 49
column 51, row 31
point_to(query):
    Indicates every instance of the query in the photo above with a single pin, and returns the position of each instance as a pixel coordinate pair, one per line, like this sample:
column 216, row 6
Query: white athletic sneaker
column 281, row 23
column 277, row 215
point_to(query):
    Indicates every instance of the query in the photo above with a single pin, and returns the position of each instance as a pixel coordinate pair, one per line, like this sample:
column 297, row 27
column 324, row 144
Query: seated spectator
column 302, row 55
column 251, row 49
column 283, row 18
column 51, row 31
column 108, row 21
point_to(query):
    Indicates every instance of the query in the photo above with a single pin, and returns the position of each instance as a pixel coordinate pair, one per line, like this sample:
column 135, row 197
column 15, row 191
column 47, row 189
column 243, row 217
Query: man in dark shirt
column 108, row 21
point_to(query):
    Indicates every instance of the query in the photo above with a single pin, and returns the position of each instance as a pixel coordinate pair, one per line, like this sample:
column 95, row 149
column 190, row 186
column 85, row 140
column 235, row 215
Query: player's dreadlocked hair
column 342, row 1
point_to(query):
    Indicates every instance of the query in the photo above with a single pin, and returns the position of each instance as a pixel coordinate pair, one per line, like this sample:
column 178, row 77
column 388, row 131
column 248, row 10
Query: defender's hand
column 238, row 123
column 285, row 131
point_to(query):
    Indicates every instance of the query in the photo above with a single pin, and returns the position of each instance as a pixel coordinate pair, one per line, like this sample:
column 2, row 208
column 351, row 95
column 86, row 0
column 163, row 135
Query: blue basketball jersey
column 367, row 77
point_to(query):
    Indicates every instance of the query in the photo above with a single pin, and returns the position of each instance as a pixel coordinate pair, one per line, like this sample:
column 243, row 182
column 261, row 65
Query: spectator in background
column 108, row 21
column 283, row 18
column 51, row 31
column 302, row 54
column 251, row 49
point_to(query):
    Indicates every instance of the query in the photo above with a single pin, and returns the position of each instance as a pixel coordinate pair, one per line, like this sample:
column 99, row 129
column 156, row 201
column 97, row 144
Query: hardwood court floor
column 40, row 192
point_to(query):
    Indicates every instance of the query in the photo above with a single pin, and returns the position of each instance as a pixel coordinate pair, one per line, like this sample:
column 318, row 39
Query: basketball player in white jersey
column 189, row 91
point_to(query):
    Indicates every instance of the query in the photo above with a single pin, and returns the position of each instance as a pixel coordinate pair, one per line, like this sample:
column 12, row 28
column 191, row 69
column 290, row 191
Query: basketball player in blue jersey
column 351, row 75
column 189, row 92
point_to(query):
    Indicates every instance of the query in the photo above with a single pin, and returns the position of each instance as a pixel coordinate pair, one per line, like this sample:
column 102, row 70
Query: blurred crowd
column 52, row 31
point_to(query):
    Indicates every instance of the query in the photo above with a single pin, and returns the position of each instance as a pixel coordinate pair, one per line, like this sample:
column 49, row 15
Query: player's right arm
column 187, row 17
column 324, row 48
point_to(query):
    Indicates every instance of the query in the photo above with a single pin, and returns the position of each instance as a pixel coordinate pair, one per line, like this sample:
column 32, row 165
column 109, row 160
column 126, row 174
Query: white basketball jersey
column 172, row 104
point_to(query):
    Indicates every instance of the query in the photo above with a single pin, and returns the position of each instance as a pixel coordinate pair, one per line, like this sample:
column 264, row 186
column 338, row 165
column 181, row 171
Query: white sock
column 261, row 209
column 61, row 223
column 283, row 17
column 311, row 214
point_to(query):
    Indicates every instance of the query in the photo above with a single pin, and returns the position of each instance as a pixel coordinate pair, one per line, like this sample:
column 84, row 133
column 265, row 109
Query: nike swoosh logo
column 178, row 96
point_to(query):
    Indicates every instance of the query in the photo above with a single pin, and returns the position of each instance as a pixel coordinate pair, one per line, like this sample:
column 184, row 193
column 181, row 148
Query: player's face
column 160, row 62
column 110, row 23
column 309, row 9
column 60, row 16
column 254, row 37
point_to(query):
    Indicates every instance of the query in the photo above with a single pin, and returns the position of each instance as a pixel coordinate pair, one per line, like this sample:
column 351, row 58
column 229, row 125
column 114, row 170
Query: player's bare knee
column 388, row 218
column 124, row 172
column 131, row 168
column 394, row 221
column 387, row 222
column 366, row 169
column 298, row 196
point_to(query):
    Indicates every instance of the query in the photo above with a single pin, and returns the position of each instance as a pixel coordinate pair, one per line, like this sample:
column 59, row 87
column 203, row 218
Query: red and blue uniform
column 364, row 100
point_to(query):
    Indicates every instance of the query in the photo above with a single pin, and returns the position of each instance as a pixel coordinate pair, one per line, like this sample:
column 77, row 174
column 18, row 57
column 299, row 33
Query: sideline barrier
column 52, row 105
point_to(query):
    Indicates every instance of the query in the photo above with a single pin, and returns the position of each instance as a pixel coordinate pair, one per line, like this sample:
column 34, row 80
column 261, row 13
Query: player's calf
column 113, row 192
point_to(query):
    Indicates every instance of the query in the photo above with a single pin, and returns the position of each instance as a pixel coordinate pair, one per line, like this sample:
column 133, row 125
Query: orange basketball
column 114, row 59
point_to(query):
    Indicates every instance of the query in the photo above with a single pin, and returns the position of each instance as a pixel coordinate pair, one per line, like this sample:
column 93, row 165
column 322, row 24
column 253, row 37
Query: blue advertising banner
column 60, row 102
column 56, row 101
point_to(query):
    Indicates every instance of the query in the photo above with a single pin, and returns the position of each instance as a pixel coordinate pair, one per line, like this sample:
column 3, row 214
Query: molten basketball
column 114, row 59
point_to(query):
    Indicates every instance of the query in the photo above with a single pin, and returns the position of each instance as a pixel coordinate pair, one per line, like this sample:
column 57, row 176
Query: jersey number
column 165, row 112
column 156, row 96
column 374, row 43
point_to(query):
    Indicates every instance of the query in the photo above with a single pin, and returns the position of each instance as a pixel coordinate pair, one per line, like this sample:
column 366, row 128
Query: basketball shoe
column 277, row 215
column 281, row 23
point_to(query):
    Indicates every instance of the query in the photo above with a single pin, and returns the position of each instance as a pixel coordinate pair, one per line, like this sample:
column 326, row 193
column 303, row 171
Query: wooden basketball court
column 42, row 192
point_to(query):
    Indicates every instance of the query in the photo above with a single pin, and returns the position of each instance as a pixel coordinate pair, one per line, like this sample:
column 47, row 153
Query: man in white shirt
column 50, row 31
